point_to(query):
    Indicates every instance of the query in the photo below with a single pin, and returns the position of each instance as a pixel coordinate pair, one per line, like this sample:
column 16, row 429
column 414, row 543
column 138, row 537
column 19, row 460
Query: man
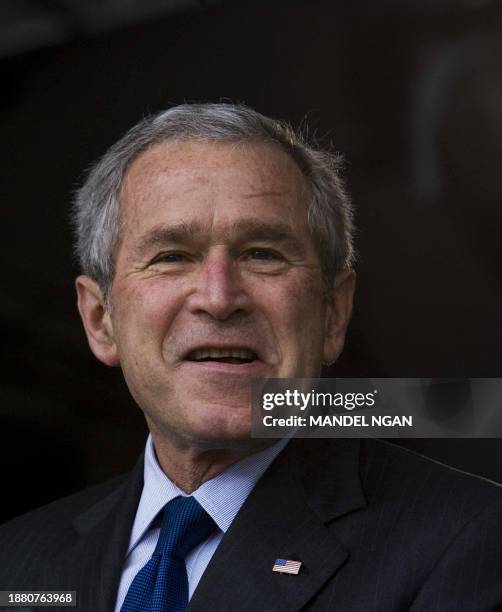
column 216, row 248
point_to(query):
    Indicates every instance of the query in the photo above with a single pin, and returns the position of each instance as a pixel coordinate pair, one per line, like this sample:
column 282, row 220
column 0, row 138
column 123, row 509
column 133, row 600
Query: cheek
column 144, row 313
column 297, row 316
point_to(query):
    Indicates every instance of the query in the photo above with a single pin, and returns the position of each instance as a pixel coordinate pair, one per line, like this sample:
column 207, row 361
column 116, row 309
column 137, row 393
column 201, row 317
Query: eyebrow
column 244, row 230
column 162, row 235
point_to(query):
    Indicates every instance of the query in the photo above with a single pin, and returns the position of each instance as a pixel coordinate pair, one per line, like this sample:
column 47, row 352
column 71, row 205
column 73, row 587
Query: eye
column 170, row 258
column 263, row 255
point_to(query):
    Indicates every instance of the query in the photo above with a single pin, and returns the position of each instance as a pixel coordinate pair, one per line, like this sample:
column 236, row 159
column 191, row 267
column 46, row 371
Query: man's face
column 217, row 282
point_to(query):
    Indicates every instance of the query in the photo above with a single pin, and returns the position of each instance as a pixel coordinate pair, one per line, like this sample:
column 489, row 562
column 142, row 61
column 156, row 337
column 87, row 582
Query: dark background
column 409, row 91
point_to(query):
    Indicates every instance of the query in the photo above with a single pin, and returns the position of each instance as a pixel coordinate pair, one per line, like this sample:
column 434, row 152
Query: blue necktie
column 162, row 584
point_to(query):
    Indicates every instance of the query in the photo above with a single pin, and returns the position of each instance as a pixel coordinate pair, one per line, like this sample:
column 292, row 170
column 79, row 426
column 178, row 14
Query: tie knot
column 185, row 524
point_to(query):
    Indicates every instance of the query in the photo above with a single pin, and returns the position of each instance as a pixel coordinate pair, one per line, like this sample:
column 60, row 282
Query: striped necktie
column 162, row 584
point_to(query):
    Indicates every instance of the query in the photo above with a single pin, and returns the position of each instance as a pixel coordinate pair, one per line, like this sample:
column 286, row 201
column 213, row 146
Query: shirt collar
column 221, row 497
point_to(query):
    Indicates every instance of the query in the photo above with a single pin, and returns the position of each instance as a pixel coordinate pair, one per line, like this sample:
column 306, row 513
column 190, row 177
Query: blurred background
column 410, row 91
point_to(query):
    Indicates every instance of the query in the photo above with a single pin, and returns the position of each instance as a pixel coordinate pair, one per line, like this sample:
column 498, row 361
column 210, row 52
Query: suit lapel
column 311, row 484
column 94, row 563
column 290, row 514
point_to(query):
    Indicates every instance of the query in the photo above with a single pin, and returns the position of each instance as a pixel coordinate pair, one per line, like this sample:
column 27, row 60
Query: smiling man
column 216, row 247
column 214, row 273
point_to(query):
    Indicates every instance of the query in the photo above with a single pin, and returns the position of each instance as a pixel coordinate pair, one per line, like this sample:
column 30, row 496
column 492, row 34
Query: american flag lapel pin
column 287, row 566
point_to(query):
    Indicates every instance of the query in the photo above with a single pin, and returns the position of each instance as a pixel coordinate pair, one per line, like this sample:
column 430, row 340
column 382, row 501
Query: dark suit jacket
column 377, row 528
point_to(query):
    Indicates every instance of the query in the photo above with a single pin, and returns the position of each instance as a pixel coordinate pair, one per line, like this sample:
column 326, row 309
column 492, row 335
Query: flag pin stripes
column 287, row 566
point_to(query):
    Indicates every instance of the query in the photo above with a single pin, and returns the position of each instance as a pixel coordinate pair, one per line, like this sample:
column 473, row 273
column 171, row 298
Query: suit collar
column 312, row 483
column 329, row 471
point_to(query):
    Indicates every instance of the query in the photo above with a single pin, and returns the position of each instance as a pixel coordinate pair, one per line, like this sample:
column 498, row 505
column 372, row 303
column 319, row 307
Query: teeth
column 215, row 353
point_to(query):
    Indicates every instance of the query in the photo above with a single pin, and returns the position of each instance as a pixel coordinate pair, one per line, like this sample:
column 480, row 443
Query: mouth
column 234, row 355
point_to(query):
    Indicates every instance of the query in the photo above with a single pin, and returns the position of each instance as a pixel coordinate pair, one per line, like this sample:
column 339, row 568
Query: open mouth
column 222, row 355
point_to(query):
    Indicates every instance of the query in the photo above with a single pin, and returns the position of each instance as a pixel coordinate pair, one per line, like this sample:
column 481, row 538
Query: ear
column 96, row 319
column 338, row 313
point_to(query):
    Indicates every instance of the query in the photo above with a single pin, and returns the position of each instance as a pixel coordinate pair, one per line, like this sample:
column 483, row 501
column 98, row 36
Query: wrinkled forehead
column 185, row 181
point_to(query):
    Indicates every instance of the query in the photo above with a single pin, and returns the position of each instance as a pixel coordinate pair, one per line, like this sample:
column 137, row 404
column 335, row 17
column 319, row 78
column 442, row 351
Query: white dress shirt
column 221, row 497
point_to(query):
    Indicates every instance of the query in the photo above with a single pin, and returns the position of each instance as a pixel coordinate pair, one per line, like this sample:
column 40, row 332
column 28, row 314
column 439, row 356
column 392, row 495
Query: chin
column 218, row 426
column 206, row 425
column 219, row 429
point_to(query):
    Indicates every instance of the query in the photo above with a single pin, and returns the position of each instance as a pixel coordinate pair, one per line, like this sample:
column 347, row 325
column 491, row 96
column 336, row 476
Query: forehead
column 215, row 184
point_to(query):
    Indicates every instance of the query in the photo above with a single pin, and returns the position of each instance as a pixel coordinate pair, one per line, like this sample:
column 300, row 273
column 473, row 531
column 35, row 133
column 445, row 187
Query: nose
column 218, row 289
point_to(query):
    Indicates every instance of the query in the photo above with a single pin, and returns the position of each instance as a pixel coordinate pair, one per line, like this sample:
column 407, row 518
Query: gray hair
column 96, row 210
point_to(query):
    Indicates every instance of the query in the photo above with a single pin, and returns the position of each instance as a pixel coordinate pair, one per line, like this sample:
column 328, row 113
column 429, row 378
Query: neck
column 189, row 466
